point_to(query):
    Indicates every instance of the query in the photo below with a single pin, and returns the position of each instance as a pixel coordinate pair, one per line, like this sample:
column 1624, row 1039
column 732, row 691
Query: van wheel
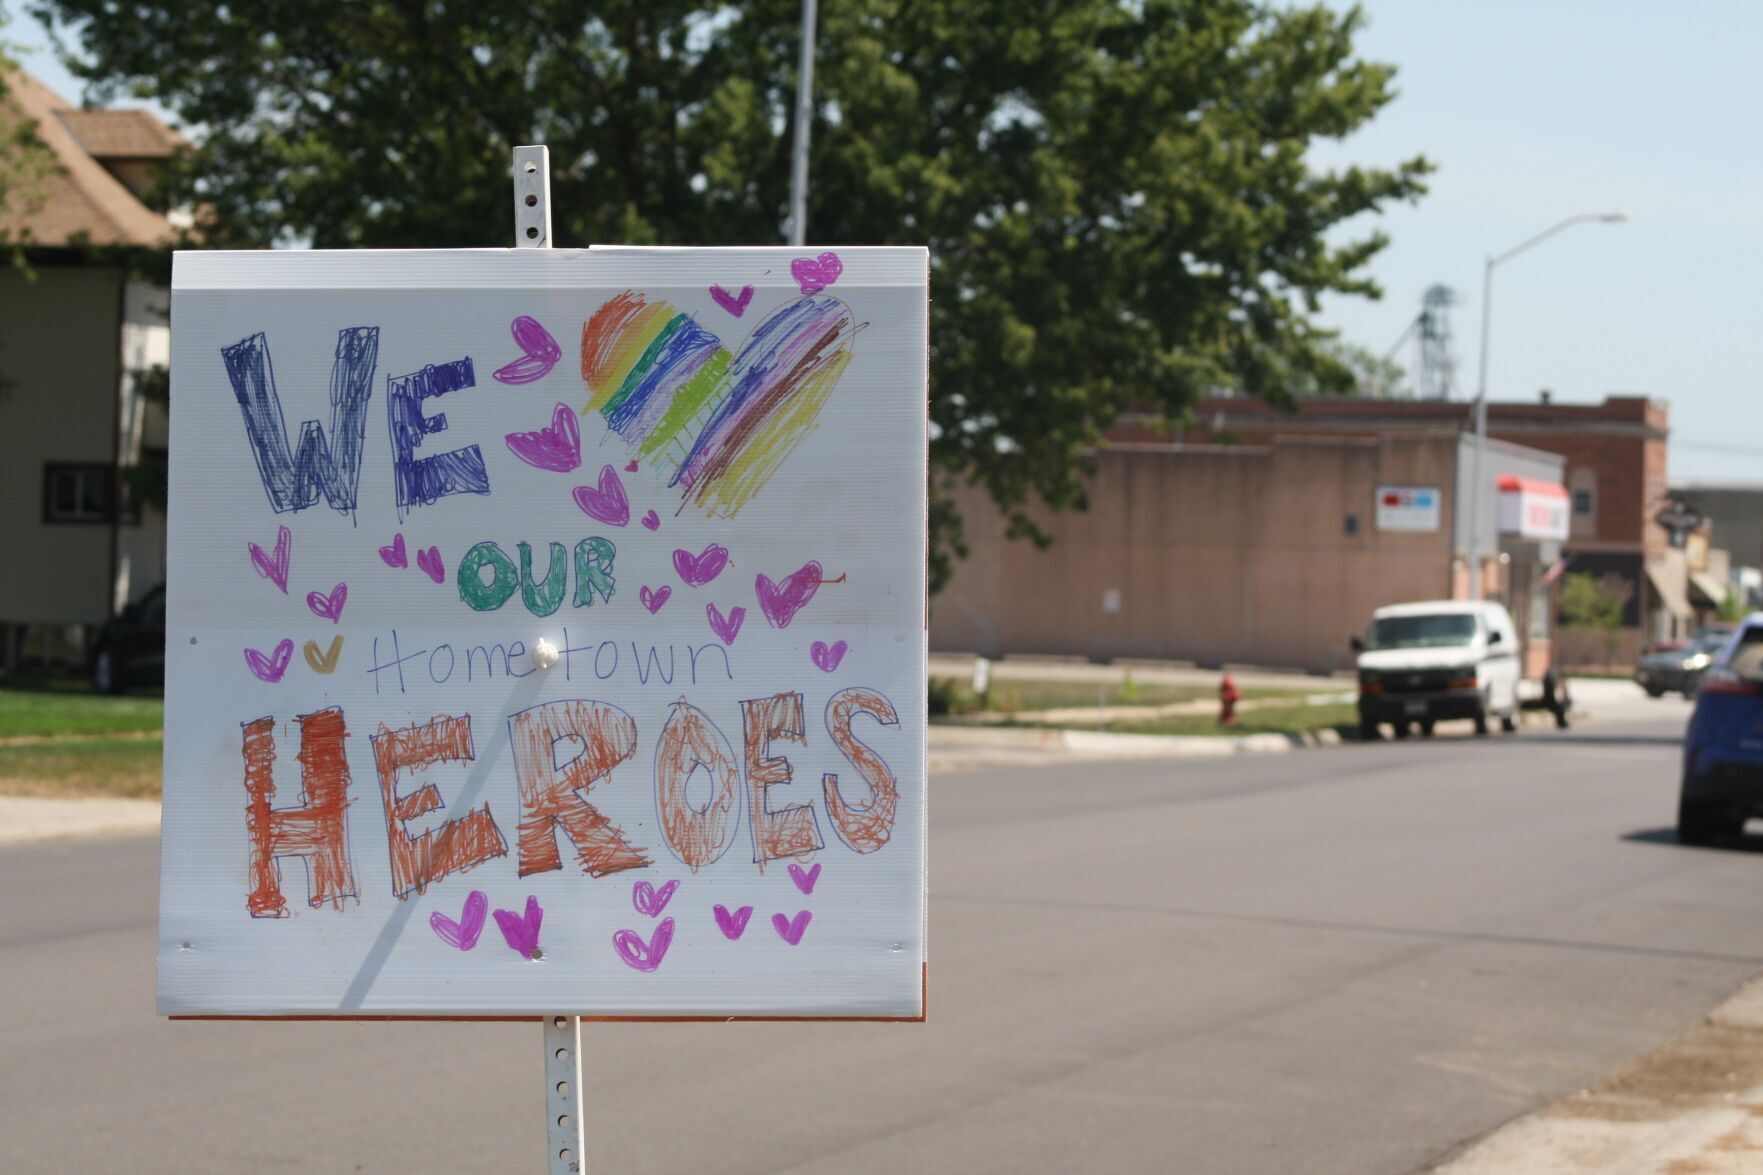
column 1426, row 727
column 1509, row 723
column 1401, row 729
column 1368, row 732
column 1481, row 719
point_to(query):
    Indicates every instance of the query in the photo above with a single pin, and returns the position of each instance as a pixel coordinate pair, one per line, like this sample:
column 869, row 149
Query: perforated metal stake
column 563, row 1033
column 532, row 197
column 563, row 1093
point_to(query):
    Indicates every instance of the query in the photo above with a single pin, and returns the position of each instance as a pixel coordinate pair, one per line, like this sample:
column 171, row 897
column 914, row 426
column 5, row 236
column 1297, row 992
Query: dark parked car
column 130, row 650
column 1680, row 668
column 1723, row 748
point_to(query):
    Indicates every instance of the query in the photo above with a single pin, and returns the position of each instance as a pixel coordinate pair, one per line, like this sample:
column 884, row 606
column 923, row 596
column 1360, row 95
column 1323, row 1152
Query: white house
column 75, row 332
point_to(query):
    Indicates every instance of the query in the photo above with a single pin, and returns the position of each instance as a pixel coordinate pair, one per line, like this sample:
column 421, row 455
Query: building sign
column 546, row 634
column 1679, row 519
column 1532, row 509
column 1408, row 508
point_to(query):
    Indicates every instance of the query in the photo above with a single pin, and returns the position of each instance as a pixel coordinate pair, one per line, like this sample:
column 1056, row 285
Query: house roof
column 80, row 199
column 121, row 134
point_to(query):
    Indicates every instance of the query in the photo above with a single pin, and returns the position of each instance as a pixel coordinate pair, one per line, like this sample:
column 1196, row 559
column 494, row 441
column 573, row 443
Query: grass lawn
column 1008, row 696
column 1296, row 719
column 82, row 767
column 51, row 708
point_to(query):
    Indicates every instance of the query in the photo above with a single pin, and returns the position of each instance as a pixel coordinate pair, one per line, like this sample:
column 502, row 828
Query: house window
column 1582, row 489
column 80, row 493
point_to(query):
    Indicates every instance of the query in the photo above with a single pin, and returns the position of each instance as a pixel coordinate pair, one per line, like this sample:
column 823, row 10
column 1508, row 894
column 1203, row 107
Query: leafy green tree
column 1117, row 194
column 1596, row 603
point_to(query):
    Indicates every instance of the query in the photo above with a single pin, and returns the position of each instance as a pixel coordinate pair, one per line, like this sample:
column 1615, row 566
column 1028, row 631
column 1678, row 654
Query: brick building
column 1615, row 474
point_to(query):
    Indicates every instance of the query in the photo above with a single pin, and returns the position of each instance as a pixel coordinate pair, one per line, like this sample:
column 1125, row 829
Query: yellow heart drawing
column 325, row 662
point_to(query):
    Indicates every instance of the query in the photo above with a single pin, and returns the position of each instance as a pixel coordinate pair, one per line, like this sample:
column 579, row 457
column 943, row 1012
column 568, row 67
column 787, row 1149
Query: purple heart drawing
column 826, row 657
column 521, row 932
column 698, row 570
column 463, row 933
column 640, row 955
column 557, row 448
column 781, row 602
column 653, row 598
column 735, row 305
column 329, row 607
column 651, row 901
column 815, row 274
column 539, row 353
column 791, row 929
column 274, row 569
column 732, row 925
column 272, row 667
column 430, row 562
column 605, row 503
column 394, row 555
column 725, row 627
column 652, row 520
column 804, row 878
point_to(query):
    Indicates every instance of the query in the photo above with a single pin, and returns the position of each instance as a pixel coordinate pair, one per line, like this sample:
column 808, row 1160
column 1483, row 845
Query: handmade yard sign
column 545, row 633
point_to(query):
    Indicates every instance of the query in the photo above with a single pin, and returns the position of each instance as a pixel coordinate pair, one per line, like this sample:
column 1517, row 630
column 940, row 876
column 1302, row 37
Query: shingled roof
column 80, row 200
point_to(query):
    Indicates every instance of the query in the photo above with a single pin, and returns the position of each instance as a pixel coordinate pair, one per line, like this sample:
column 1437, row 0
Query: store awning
column 1709, row 588
column 1670, row 590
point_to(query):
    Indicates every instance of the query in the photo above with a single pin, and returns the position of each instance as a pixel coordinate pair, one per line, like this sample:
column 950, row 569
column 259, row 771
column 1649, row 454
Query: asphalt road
column 1342, row 960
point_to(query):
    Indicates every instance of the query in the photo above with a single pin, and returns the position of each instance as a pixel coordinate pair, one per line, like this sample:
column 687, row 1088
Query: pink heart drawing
column 700, row 569
column 272, row 667
column 540, row 353
column 328, row 607
column 652, row 520
column 430, row 562
column 463, row 933
column 606, row 503
column 735, row 305
column 791, row 929
column 394, row 555
column 804, row 879
column 826, row 657
column 733, row 925
column 651, row 901
column 781, row 602
column 727, row 628
column 274, row 569
column 630, row 466
column 815, row 274
column 557, row 448
column 640, row 955
column 653, row 598
column 522, row 932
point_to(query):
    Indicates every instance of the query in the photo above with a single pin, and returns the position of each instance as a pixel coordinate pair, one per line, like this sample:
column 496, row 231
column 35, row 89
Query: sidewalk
column 1694, row 1107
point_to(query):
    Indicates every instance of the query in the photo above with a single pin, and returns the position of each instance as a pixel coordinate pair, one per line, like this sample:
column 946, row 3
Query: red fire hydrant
column 1228, row 697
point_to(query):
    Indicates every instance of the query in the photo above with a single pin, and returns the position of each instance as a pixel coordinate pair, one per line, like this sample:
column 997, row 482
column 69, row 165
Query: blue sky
column 1534, row 112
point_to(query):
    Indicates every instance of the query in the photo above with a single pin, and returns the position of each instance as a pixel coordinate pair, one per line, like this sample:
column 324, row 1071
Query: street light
column 1481, row 379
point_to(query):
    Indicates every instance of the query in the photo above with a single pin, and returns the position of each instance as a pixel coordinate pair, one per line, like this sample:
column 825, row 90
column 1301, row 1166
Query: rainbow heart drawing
column 719, row 423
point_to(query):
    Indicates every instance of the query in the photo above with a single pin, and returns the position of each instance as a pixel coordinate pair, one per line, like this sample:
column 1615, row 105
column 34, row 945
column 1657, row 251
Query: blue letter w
column 294, row 479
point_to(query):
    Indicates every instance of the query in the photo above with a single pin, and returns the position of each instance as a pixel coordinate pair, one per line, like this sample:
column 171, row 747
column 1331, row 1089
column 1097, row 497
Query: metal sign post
column 563, row 1033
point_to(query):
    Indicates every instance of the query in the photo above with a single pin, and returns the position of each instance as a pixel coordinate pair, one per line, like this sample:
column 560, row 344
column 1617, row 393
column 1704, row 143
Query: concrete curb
column 956, row 748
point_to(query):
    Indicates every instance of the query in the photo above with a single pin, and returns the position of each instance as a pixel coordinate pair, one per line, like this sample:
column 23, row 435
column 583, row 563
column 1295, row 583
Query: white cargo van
column 1441, row 659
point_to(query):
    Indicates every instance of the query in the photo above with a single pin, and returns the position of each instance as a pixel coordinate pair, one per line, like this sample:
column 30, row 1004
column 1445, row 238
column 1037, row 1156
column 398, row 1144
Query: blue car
column 1723, row 748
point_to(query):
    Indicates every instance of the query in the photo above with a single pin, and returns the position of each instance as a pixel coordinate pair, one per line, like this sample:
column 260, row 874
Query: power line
column 1712, row 447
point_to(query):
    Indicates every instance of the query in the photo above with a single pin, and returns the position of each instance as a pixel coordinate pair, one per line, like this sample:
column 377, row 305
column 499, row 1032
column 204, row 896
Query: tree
column 1596, row 603
column 25, row 163
column 1116, row 193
